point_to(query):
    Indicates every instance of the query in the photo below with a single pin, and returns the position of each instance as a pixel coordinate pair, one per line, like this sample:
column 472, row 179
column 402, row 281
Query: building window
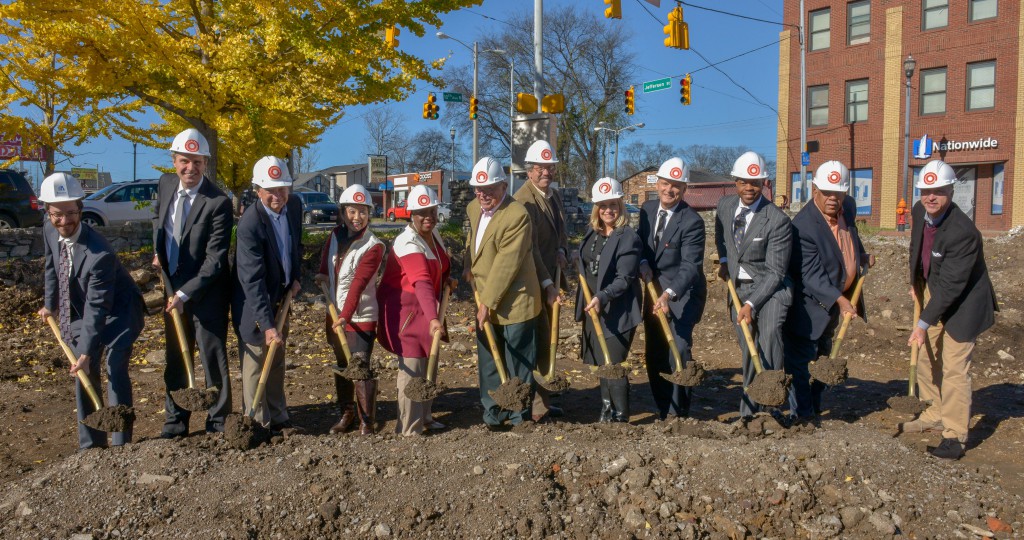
column 981, row 85
column 933, row 91
column 818, row 23
column 934, row 14
column 997, row 189
column 634, row 199
column 800, row 191
column 651, row 195
column 861, row 179
column 858, row 22
column 817, row 105
column 856, row 101
column 980, row 10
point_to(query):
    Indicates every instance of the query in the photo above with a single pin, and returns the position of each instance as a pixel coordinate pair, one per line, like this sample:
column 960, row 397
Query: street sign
column 660, row 84
column 805, row 158
column 454, row 97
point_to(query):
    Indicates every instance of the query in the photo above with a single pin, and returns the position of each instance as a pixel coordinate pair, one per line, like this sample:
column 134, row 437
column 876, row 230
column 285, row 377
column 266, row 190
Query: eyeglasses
column 543, row 166
column 57, row 216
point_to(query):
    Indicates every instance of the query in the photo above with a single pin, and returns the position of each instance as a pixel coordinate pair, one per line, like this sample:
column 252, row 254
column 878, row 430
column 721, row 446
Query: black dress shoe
column 168, row 435
column 948, row 449
column 555, row 412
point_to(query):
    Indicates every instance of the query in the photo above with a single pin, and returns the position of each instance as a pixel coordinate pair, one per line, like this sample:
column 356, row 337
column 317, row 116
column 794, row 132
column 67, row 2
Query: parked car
column 317, row 207
column 398, row 212
column 444, row 212
column 19, row 206
column 120, row 203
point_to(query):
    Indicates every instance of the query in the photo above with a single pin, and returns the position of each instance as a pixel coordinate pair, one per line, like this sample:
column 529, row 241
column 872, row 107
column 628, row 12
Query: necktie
column 660, row 227
column 555, row 213
column 180, row 214
column 63, row 292
column 739, row 226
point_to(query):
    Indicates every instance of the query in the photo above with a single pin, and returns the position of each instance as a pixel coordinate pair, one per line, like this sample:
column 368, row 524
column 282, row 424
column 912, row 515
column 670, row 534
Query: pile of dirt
column 611, row 371
column 557, row 383
column 420, row 389
column 692, row 374
column 111, row 419
column 244, row 433
column 830, row 371
column 359, row 368
column 512, row 395
column 194, row 399
column 770, row 387
column 907, row 404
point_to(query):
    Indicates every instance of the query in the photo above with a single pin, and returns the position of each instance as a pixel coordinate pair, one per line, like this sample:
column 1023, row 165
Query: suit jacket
column 677, row 262
column 203, row 259
column 765, row 250
column 259, row 271
column 547, row 237
column 503, row 268
column 962, row 297
column 817, row 271
column 618, row 287
column 106, row 306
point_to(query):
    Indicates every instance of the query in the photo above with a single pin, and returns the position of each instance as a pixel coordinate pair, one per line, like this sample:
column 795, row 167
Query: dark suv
column 19, row 206
column 317, row 207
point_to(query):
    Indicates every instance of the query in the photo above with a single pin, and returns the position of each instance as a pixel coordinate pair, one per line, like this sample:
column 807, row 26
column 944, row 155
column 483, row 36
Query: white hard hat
column 675, row 169
column 271, row 172
column 749, row 166
column 606, row 189
column 192, row 142
column 60, row 187
column 936, row 173
column 356, row 194
column 487, row 172
column 420, row 198
column 540, row 152
column 832, row 176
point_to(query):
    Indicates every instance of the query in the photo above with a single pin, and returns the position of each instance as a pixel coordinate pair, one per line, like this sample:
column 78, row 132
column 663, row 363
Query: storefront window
column 800, row 192
column 997, row 189
column 862, row 188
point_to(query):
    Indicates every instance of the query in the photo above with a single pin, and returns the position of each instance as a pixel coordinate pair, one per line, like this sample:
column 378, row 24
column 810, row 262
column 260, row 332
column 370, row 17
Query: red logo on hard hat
column 605, row 187
column 545, row 154
column 274, row 172
column 930, row 178
column 192, row 145
column 424, row 200
column 481, row 177
column 834, row 177
column 358, row 197
column 753, row 169
column 676, row 172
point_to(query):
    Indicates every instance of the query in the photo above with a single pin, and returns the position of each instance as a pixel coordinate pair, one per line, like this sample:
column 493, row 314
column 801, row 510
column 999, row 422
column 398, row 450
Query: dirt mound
column 513, row 395
column 770, row 387
column 244, row 433
column 907, row 404
column 557, row 383
column 611, row 371
column 420, row 389
column 830, row 371
column 194, row 399
column 359, row 368
column 691, row 375
column 111, row 419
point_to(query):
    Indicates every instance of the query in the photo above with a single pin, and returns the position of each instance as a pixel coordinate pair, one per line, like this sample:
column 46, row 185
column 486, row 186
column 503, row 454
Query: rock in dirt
column 830, row 371
column 556, row 383
column 691, row 375
column 244, row 433
column 111, row 419
column 770, row 387
column 907, row 404
column 420, row 389
column 513, row 395
column 611, row 371
column 358, row 368
column 194, row 399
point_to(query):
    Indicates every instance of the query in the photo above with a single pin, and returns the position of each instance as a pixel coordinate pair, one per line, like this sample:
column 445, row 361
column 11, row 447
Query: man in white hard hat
column 98, row 308
column 949, row 277
column 192, row 232
column 499, row 262
column 268, row 266
column 754, row 241
column 673, row 258
column 550, row 246
column 826, row 260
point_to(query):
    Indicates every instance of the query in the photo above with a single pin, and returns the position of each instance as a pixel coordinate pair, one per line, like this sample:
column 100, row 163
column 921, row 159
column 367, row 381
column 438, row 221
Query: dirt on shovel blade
column 420, row 389
column 111, row 419
column 770, row 387
column 907, row 404
column 830, row 371
column 556, row 383
column 611, row 371
column 194, row 399
column 358, row 369
column 244, row 433
column 691, row 375
column 514, row 395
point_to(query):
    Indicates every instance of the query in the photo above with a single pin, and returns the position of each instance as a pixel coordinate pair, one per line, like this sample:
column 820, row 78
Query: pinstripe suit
column 764, row 254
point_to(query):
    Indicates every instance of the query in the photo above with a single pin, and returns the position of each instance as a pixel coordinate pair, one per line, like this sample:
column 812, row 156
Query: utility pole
column 135, row 154
column 538, row 50
column 803, row 104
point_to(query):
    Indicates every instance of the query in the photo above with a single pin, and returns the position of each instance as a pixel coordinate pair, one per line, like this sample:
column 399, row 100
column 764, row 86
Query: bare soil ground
column 705, row 477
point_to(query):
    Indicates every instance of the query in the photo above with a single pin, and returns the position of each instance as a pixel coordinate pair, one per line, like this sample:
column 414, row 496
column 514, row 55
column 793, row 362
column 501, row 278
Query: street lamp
column 627, row 129
column 452, row 179
column 511, row 107
column 442, row 35
column 908, row 69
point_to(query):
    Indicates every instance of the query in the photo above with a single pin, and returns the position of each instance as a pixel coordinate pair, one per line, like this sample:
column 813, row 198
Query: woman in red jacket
column 349, row 264
column 409, row 297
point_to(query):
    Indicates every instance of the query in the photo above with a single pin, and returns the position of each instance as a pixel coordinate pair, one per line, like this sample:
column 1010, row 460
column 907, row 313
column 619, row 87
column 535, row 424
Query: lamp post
column 511, row 106
column 627, row 129
column 442, row 35
column 452, row 178
column 135, row 154
column 908, row 69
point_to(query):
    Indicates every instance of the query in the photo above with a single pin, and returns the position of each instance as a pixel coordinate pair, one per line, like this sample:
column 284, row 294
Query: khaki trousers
column 274, row 409
column 413, row 416
column 943, row 378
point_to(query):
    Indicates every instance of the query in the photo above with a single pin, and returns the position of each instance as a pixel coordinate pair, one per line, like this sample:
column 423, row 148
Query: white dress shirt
column 279, row 222
column 169, row 224
column 69, row 244
column 485, row 219
column 743, row 274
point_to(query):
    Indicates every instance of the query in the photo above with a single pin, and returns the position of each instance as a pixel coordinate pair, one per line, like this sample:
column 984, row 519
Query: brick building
column 702, row 192
column 966, row 106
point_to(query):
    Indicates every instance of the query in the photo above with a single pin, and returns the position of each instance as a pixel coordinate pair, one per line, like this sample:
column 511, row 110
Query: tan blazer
column 503, row 266
column 547, row 238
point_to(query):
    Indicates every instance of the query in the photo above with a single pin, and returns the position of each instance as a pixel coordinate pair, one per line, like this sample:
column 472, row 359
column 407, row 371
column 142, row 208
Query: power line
column 737, row 15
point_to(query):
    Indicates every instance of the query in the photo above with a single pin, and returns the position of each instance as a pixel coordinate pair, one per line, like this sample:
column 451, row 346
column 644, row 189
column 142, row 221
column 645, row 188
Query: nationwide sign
column 13, row 148
column 926, row 146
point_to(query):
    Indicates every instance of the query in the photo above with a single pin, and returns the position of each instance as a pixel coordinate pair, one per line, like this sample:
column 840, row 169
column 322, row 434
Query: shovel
column 426, row 389
column 832, row 370
column 549, row 380
column 191, row 398
column 513, row 394
column 608, row 370
column 694, row 373
column 282, row 317
column 769, row 386
column 910, row 403
column 111, row 419
column 339, row 331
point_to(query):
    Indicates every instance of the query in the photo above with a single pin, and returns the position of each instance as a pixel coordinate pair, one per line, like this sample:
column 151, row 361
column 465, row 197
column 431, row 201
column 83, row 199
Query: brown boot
column 366, row 405
column 348, row 417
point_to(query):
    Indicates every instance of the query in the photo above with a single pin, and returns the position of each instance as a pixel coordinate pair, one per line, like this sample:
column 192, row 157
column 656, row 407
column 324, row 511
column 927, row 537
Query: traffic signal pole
column 476, row 71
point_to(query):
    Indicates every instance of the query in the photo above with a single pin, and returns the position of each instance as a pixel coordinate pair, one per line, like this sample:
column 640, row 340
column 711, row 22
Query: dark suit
column 107, row 312
column 764, row 254
column 818, row 273
column 618, row 287
column 677, row 262
column 203, row 275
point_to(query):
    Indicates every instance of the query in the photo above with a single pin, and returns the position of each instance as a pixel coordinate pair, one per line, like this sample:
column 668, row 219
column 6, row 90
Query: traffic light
column 614, row 9
column 676, row 31
column 630, row 105
column 684, row 89
column 473, row 104
column 391, row 36
column 552, row 104
column 526, row 103
column 430, row 108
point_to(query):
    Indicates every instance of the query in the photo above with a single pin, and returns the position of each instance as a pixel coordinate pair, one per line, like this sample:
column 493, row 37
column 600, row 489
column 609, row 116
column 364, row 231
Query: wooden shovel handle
column 847, row 317
column 669, row 335
column 179, row 331
column 435, row 350
column 339, row 331
column 499, row 363
column 555, row 314
column 82, row 377
column 751, row 347
column 593, row 316
column 282, row 317
column 915, row 351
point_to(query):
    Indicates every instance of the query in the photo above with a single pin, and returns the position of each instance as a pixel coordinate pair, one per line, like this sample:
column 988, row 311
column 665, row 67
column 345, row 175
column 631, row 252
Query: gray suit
column 764, row 254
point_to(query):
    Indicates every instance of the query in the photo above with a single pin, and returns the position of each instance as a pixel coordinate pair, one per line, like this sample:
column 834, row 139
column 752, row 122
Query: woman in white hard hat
column 610, row 253
column 417, row 268
column 349, row 264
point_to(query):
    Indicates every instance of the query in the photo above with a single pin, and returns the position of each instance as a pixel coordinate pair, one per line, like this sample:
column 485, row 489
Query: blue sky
column 722, row 113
